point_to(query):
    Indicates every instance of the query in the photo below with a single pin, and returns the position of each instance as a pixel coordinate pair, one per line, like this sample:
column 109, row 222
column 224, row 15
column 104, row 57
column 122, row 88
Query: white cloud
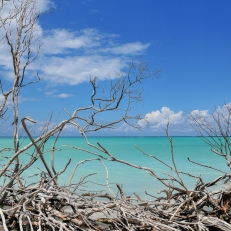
column 220, row 113
column 159, row 119
column 21, row 99
column 54, row 95
column 63, row 41
column 70, row 129
column 128, row 48
column 63, row 95
column 200, row 116
column 24, row 99
column 72, row 57
column 6, row 62
column 45, row 4
column 225, row 109
column 49, row 93
column 125, row 128
column 75, row 70
column 203, row 113
column 1, row 97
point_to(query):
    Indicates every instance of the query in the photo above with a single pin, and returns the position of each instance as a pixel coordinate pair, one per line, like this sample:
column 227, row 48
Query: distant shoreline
column 109, row 136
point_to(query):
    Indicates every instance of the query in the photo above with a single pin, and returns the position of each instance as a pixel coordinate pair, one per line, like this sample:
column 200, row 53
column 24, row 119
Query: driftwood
column 46, row 206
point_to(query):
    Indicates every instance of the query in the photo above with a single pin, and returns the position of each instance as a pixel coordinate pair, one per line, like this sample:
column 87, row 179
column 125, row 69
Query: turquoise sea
column 133, row 180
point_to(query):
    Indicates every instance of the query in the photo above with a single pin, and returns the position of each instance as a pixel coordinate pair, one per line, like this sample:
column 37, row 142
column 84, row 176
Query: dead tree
column 215, row 130
column 18, row 25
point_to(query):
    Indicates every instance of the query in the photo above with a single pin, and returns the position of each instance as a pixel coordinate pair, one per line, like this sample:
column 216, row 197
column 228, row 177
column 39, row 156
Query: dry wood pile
column 46, row 206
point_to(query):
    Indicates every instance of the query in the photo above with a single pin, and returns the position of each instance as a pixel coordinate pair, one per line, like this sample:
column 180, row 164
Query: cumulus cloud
column 224, row 110
column 159, row 118
column 179, row 121
column 45, row 4
column 203, row 117
column 203, row 113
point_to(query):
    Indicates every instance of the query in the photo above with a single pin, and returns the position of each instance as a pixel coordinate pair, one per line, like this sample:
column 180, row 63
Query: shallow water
column 133, row 180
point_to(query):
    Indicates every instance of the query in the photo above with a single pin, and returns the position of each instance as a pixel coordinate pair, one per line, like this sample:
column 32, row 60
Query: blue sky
column 188, row 40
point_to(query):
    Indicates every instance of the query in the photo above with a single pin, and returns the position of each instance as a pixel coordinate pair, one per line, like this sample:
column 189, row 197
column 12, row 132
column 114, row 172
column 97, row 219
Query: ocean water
column 123, row 148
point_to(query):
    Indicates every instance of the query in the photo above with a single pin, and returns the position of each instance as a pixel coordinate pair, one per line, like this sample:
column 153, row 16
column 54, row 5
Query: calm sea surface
column 133, row 180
